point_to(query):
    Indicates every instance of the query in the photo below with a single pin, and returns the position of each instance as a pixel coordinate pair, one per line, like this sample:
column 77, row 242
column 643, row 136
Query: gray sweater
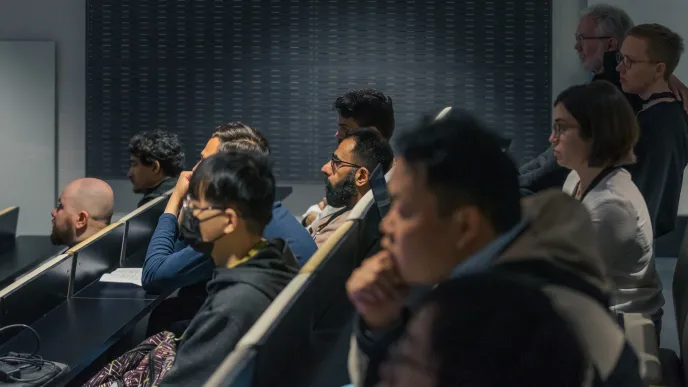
column 622, row 224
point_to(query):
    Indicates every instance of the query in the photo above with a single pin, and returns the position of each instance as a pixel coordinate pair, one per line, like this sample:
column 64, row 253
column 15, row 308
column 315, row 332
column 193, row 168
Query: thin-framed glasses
column 580, row 38
column 560, row 127
column 336, row 163
column 627, row 61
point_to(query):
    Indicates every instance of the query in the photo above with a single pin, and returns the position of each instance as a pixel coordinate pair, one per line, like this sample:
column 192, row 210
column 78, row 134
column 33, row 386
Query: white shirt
column 622, row 222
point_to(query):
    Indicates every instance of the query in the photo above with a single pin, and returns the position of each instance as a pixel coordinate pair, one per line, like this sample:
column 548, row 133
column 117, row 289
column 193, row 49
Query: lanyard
column 252, row 253
column 604, row 173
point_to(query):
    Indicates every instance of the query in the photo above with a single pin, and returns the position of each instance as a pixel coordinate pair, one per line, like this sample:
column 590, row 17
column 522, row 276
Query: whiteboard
column 27, row 132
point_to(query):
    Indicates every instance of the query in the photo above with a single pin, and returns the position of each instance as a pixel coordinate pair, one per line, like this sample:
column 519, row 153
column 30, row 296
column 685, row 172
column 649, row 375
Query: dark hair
column 663, row 45
column 240, row 180
column 605, row 118
column 368, row 107
column 464, row 164
column 371, row 149
column 236, row 135
column 490, row 330
column 161, row 146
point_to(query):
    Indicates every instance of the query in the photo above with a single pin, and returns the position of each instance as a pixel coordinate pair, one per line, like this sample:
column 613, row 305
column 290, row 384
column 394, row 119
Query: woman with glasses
column 594, row 134
column 485, row 331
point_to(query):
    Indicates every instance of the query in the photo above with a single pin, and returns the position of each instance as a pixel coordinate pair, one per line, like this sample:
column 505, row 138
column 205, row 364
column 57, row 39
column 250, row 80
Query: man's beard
column 56, row 238
column 340, row 195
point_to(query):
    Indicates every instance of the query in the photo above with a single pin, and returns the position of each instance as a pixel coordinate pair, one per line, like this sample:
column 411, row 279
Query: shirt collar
column 482, row 260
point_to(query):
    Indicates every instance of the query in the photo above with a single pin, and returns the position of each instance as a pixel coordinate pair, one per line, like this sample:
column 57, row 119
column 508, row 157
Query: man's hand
column 377, row 291
column 310, row 217
column 178, row 194
column 680, row 90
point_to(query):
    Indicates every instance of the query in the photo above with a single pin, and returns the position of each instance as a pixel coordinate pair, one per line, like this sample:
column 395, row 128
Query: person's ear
column 156, row 166
column 81, row 220
column 362, row 177
column 465, row 225
column 232, row 221
column 660, row 69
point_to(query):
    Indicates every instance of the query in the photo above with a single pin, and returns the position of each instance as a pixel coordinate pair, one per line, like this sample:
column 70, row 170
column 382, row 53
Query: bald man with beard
column 84, row 208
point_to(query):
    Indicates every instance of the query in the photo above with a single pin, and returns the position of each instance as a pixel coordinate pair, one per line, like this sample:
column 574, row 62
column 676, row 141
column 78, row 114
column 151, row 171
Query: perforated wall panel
column 188, row 66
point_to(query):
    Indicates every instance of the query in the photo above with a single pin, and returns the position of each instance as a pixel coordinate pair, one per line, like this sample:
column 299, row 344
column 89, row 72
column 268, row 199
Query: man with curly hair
column 155, row 162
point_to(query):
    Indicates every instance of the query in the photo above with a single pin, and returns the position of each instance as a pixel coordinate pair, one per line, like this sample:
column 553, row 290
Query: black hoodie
column 236, row 299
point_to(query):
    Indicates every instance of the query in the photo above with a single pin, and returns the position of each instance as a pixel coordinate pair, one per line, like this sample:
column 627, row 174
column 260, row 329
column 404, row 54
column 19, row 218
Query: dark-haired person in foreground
column 448, row 222
column 356, row 109
column 155, row 162
column 348, row 176
column 648, row 57
column 486, row 330
column 172, row 263
column 229, row 204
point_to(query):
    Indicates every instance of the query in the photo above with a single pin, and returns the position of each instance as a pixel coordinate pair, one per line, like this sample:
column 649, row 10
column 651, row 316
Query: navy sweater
column 171, row 263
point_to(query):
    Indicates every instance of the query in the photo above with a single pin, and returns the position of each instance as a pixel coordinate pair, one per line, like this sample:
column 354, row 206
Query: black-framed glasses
column 580, row 38
column 627, row 61
column 336, row 163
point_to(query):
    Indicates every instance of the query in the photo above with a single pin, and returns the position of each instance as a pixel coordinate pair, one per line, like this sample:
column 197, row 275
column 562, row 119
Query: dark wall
column 188, row 66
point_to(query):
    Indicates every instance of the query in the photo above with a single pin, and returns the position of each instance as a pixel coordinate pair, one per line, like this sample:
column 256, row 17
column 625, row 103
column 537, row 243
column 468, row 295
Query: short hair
column 237, row 135
column 610, row 20
column 368, row 107
column 464, row 164
column 663, row 45
column 161, row 146
column 605, row 118
column 371, row 149
column 491, row 330
column 238, row 179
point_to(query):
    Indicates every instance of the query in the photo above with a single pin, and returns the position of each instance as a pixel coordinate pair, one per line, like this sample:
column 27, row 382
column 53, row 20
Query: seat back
column 680, row 293
column 36, row 293
column 286, row 326
column 8, row 227
column 100, row 254
column 139, row 226
column 236, row 371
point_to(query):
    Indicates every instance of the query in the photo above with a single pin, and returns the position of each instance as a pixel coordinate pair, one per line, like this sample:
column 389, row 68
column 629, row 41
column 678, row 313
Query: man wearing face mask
column 348, row 177
column 599, row 34
column 229, row 204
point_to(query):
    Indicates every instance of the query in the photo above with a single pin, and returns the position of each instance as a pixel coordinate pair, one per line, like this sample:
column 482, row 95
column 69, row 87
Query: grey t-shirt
column 620, row 216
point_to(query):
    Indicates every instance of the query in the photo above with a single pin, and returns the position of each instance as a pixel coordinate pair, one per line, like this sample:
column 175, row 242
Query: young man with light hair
column 648, row 57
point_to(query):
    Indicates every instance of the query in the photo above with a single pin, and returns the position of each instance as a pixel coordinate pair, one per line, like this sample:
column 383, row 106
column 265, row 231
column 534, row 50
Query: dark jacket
column 171, row 263
column 165, row 185
column 236, row 299
column 662, row 153
column 556, row 250
column 543, row 172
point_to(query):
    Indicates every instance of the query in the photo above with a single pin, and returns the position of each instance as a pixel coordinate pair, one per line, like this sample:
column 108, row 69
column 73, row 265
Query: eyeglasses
column 580, row 38
column 558, row 128
column 336, row 163
column 628, row 62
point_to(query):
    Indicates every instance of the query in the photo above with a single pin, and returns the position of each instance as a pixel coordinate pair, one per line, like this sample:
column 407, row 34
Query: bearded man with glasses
column 347, row 177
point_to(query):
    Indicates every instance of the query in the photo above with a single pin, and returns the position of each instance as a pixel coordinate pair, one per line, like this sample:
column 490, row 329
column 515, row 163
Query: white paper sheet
column 124, row 276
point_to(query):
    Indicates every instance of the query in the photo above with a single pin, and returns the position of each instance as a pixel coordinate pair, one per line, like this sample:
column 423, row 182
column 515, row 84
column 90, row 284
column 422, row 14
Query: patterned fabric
column 143, row 366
